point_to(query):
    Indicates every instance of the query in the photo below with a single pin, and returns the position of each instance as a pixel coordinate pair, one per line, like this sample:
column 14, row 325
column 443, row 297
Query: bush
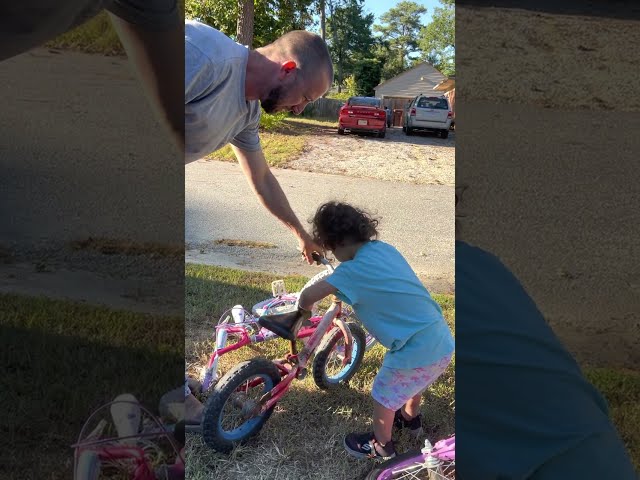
column 272, row 121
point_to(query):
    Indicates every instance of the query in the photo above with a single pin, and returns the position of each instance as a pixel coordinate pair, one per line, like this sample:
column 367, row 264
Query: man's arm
column 158, row 58
column 266, row 187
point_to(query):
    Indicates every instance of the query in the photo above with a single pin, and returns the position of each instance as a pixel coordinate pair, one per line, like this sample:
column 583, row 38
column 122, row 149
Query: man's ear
column 287, row 69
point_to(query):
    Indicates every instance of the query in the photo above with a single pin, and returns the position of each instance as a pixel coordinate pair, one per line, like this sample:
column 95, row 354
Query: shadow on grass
column 54, row 378
column 296, row 127
column 207, row 297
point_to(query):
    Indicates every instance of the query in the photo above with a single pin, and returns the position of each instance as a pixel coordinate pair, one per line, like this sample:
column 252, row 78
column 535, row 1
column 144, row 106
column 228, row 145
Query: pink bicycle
column 124, row 440
column 243, row 399
column 435, row 462
column 245, row 329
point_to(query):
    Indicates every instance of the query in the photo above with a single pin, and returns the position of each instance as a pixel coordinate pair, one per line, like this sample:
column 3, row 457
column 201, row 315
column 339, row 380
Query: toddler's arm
column 315, row 293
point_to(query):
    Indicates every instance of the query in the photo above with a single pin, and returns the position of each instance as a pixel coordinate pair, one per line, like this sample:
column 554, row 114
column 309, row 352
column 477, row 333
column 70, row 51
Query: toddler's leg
column 411, row 409
column 382, row 422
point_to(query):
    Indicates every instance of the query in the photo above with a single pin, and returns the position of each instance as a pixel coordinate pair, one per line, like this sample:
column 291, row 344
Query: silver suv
column 429, row 113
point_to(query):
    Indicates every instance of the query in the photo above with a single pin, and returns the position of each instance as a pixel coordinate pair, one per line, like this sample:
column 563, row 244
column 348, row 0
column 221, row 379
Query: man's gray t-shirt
column 215, row 110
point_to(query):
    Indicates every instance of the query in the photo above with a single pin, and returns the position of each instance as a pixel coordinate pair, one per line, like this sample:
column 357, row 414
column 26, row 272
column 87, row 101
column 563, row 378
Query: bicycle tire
column 324, row 350
column 384, row 471
column 212, row 432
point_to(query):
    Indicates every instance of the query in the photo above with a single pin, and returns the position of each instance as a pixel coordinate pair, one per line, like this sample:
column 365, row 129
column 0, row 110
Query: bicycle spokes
column 335, row 369
column 243, row 405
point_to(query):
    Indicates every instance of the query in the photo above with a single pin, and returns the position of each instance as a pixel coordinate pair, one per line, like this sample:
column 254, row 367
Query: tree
column 244, row 30
column 401, row 28
column 350, row 35
column 322, row 10
column 391, row 64
column 367, row 72
column 272, row 18
column 438, row 38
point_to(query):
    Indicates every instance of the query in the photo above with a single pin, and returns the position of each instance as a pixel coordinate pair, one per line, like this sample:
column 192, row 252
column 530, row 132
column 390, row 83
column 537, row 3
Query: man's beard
column 270, row 104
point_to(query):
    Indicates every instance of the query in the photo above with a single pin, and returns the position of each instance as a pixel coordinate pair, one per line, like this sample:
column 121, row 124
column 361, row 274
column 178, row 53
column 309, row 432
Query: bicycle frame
column 272, row 396
column 245, row 338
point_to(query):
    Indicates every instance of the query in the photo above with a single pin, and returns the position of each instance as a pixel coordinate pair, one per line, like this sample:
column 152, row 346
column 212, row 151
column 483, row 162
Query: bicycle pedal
column 302, row 373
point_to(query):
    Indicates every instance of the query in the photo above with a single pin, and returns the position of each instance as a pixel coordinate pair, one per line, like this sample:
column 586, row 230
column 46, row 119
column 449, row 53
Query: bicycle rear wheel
column 414, row 465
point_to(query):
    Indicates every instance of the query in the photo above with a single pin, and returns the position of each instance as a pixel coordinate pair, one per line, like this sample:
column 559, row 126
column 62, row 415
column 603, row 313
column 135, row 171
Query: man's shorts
column 393, row 387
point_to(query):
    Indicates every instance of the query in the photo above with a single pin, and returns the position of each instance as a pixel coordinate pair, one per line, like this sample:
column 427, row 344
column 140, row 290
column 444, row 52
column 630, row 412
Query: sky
column 378, row 7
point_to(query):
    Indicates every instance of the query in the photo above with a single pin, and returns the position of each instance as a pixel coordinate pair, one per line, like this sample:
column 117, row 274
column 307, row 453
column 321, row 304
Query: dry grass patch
column 244, row 243
column 111, row 246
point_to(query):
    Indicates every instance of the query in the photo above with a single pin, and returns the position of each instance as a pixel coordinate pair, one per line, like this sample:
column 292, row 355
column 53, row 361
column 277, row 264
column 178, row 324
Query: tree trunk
column 323, row 26
column 244, row 30
column 335, row 45
column 340, row 74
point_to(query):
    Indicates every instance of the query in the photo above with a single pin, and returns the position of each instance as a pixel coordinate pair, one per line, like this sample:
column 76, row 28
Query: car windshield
column 433, row 102
column 364, row 102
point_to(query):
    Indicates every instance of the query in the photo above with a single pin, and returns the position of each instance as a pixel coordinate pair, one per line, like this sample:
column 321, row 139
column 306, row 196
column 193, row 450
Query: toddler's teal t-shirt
column 394, row 306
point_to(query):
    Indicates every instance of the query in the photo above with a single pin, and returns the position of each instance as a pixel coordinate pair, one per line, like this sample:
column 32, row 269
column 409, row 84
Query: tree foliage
column 367, row 73
column 348, row 34
column 272, row 18
column 438, row 38
column 400, row 30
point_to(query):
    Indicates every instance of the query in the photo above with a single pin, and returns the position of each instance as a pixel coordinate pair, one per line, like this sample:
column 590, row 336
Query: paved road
column 417, row 219
column 81, row 155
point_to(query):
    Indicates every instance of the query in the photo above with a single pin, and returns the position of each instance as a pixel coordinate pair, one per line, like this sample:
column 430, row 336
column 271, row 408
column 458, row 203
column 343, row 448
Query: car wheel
column 340, row 131
column 382, row 134
column 444, row 133
column 409, row 131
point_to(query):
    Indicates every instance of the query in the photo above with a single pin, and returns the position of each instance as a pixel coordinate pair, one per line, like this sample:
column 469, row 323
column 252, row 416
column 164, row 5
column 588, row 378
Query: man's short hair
column 309, row 51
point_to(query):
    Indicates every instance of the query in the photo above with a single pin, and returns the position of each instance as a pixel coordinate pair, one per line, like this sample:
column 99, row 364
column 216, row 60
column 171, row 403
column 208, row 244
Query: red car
column 363, row 115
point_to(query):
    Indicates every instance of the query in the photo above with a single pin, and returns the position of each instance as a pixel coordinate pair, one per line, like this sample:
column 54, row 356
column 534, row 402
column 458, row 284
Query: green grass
column 61, row 360
column 305, row 433
column 285, row 142
column 621, row 388
column 279, row 149
column 94, row 36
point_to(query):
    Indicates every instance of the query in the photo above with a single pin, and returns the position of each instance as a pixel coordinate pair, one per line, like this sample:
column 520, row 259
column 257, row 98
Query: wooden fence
column 323, row 108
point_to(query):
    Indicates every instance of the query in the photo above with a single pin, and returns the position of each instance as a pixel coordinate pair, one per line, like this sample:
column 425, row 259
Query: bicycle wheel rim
column 418, row 468
column 335, row 358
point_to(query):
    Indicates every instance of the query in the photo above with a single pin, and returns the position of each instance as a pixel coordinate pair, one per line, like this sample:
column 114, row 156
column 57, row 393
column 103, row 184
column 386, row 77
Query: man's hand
column 307, row 246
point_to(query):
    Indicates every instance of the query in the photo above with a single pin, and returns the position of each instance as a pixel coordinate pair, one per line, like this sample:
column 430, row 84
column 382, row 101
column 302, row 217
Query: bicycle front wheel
column 328, row 370
column 414, row 465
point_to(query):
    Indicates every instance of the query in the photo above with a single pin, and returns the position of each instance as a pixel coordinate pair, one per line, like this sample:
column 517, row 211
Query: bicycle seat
column 285, row 325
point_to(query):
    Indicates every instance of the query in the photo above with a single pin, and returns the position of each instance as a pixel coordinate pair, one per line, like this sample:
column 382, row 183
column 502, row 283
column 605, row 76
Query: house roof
column 418, row 79
column 446, row 85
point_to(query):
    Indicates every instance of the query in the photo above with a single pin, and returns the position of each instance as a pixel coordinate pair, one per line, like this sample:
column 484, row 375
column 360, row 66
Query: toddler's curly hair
column 335, row 223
